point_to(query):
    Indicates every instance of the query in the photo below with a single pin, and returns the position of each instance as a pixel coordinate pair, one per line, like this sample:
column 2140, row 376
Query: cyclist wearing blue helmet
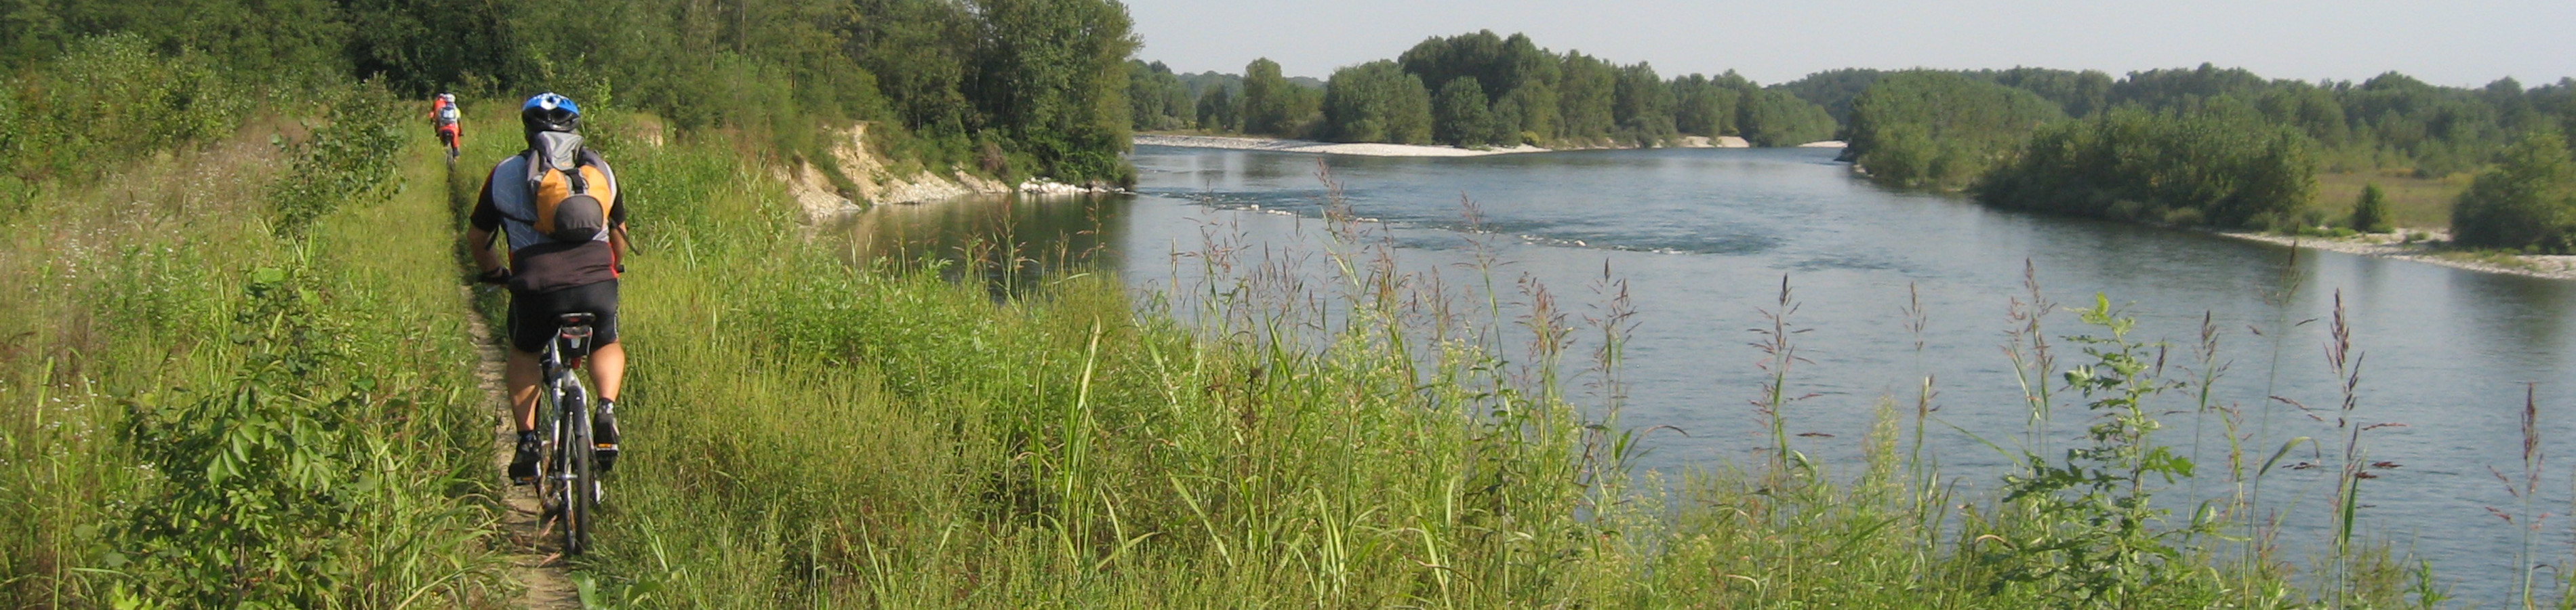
column 565, row 217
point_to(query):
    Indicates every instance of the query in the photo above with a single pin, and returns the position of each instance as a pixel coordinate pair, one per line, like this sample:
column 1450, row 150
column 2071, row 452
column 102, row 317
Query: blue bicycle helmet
column 550, row 112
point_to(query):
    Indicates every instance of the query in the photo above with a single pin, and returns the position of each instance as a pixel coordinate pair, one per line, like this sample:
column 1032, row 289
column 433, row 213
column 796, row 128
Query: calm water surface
column 1704, row 237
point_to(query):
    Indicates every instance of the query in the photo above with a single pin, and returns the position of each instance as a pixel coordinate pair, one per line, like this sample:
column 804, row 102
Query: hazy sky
column 2460, row 43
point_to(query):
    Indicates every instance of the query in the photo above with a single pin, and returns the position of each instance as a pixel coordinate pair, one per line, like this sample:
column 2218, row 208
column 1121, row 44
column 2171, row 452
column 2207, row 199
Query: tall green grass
column 837, row 435
column 224, row 387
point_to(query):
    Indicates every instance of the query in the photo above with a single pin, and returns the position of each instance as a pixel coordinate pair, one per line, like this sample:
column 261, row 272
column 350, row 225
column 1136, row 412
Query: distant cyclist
column 451, row 132
column 565, row 217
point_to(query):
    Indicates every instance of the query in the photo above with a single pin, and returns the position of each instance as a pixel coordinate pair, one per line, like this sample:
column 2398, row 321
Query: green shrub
column 2370, row 212
column 350, row 158
column 2103, row 543
column 111, row 98
column 2527, row 201
column 255, row 476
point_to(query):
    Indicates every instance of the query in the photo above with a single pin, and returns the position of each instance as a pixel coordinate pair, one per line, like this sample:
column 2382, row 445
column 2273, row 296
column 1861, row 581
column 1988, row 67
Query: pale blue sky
column 2465, row 43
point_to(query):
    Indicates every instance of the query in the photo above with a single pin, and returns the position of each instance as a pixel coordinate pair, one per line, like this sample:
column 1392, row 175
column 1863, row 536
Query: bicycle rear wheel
column 580, row 491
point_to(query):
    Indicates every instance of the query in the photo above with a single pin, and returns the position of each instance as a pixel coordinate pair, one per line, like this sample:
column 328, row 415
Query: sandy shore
column 2390, row 245
column 1381, row 150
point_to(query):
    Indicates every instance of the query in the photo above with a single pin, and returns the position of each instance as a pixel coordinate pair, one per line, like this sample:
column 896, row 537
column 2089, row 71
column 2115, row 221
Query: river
column 1704, row 238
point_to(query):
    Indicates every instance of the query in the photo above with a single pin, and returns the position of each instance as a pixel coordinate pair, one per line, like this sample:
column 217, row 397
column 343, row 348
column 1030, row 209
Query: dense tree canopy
column 2228, row 169
column 1641, row 103
column 1925, row 128
column 2527, row 201
column 2169, row 89
column 1053, row 77
column 1833, row 89
column 1157, row 99
column 1707, row 106
column 1274, row 106
column 1586, row 88
column 1219, row 110
column 1774, row 117
column 1461, row 116
column 1485, row 89
column 1377, row 102
column 1044, row 79
column 2079, row 94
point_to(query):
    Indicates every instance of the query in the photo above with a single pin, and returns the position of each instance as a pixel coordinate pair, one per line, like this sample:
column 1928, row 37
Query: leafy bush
column 2101, row 546
column 2235, row 169
column 111, row 98
column 350, row 158
column 255, row 476
column 2527, row 201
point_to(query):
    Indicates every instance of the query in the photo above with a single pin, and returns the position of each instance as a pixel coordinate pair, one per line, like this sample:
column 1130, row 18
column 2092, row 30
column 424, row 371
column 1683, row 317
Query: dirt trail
column 536, row 563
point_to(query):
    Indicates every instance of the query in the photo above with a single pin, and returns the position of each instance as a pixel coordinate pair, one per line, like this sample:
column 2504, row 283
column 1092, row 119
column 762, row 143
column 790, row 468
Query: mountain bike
column 452, row 141
column 567, row 474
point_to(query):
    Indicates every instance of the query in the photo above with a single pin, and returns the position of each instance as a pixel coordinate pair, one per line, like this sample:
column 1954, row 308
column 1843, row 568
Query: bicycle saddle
column 572, row 334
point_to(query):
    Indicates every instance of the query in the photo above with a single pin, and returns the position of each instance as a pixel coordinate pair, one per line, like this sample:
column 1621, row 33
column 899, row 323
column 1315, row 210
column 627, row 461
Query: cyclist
column 565, row 218
column 443, row 115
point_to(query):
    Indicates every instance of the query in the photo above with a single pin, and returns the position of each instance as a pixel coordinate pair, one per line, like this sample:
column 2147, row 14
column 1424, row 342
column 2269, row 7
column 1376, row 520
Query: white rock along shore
column 1329, row 148
column 2392, row 245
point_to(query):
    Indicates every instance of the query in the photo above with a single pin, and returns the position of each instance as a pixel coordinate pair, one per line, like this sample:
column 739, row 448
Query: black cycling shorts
column 533, row 316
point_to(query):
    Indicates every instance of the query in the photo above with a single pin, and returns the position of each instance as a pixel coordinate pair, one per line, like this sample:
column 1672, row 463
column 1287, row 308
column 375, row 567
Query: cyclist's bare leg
column 521, row 374
column 608, row 369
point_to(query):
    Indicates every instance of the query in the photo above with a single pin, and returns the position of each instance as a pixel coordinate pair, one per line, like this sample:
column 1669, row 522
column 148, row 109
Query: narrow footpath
column 537, row 562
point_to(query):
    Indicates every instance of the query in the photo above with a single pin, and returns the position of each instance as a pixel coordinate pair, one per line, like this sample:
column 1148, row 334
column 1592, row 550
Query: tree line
column 1017, row 86
column 1483, row 89
column 2207, row 145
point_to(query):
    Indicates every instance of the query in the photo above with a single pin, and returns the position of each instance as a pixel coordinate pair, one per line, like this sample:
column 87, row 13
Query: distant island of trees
column 2193, row 146
column 1479, row 89
column 2218, row 147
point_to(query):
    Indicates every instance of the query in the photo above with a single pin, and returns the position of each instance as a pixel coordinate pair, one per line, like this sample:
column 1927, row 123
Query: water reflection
column 2514, row 309
column 1009, row 243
